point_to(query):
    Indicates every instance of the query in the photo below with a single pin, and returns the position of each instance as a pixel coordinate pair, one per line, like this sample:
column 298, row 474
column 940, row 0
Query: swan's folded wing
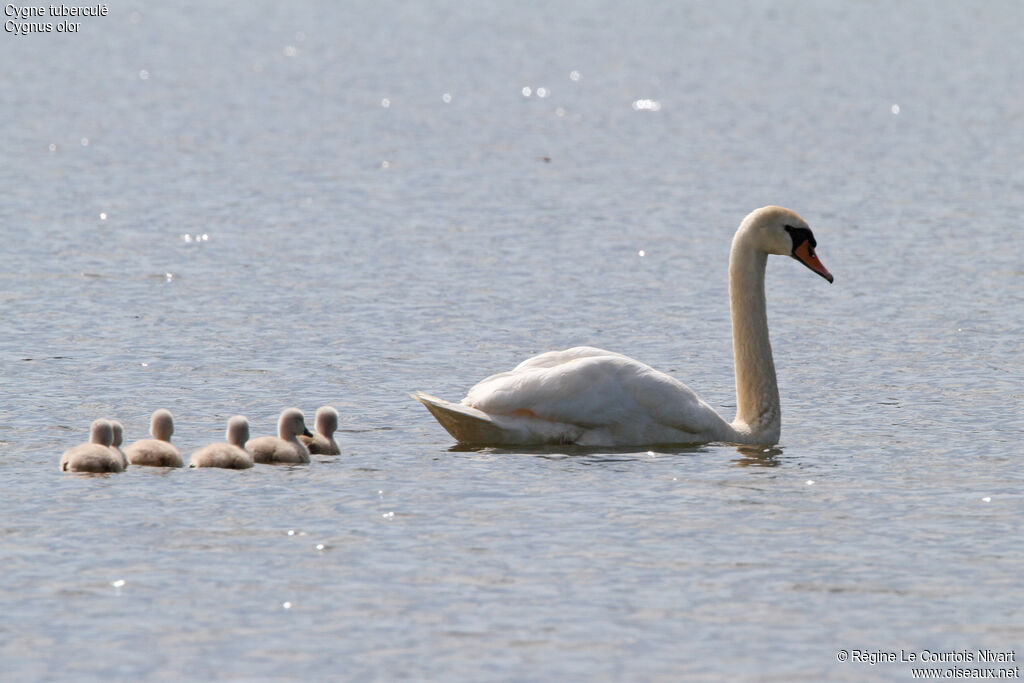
column 671, row 403
column 605, row 390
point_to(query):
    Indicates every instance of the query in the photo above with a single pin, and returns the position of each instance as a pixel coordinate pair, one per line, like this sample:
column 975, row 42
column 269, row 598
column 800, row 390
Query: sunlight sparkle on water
column 895, row 109
column 117, row 584
column 385, row 103
column 641, row 253
column 53, row 147
column 986, row 499
column 286, row 605
column 144, row 75
column 103, row 216
column 85, row 142
column 646, row 105
column 290, row 51
column 446, row 98
column 527, row 91
column 574, row 75
column 542, row 92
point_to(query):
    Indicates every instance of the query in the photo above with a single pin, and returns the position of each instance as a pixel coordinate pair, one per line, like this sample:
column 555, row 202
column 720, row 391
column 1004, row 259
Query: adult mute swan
column 229, row 455
column 592, row 397
column 285, row 448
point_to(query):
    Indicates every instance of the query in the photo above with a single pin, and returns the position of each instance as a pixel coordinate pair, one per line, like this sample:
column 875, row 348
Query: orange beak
column 805, row 255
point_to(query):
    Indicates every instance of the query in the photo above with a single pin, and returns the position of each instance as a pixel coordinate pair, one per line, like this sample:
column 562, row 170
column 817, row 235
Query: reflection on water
column 758, row 457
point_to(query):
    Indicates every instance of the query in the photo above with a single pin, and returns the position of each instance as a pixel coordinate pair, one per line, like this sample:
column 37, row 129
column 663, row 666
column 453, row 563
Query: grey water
column 234, row 208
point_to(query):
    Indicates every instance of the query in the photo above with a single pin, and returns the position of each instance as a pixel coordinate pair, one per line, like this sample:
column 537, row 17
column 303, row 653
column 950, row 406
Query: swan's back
column 609, row 398
column 271, row 450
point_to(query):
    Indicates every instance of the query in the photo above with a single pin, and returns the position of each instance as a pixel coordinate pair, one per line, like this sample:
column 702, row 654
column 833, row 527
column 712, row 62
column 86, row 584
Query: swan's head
column 775, row 230
column 291, row 424
column 238, row 431
column 326, row 420
column 100, row 432
column 118, row 430
column 161, row 425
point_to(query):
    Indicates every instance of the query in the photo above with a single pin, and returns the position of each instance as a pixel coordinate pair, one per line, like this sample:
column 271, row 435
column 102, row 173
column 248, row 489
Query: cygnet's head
column 118, row 433
column 775, row 230
column 100, row 432
column 161, row 425
column 238, row 431
column 291, row 424
column 326, row 420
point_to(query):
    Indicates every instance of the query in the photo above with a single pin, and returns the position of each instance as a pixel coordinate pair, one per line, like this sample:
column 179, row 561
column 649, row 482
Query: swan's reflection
column 758, row 456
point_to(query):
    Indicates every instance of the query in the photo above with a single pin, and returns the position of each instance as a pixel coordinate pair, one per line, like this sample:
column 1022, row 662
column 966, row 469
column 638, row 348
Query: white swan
column 592, row 397
column 322, row 442
column 158, row 451
column 284, row 448
column 94, row 456
column 230, row 455
column 115, row 444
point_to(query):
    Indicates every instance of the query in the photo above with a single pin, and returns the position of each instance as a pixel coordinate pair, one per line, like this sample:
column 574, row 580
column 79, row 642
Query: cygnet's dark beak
column 305, row 431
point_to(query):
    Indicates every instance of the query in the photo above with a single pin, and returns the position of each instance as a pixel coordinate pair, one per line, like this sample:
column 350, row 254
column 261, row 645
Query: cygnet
column 158, row 451
column 231, row 455
column 323, row 443
column 115, row 445
column 284, row 448
column 94, row 456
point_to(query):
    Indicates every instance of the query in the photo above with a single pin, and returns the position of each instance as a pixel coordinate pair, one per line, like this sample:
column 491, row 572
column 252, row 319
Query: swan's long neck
column 758, row 415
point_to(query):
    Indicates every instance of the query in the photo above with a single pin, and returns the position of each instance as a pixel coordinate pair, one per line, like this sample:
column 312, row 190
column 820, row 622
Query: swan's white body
column 591, row 397
column 228, row 455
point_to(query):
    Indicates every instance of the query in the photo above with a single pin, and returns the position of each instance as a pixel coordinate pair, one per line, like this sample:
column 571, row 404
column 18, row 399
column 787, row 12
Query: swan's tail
column 467, row 425
column 471, row 426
